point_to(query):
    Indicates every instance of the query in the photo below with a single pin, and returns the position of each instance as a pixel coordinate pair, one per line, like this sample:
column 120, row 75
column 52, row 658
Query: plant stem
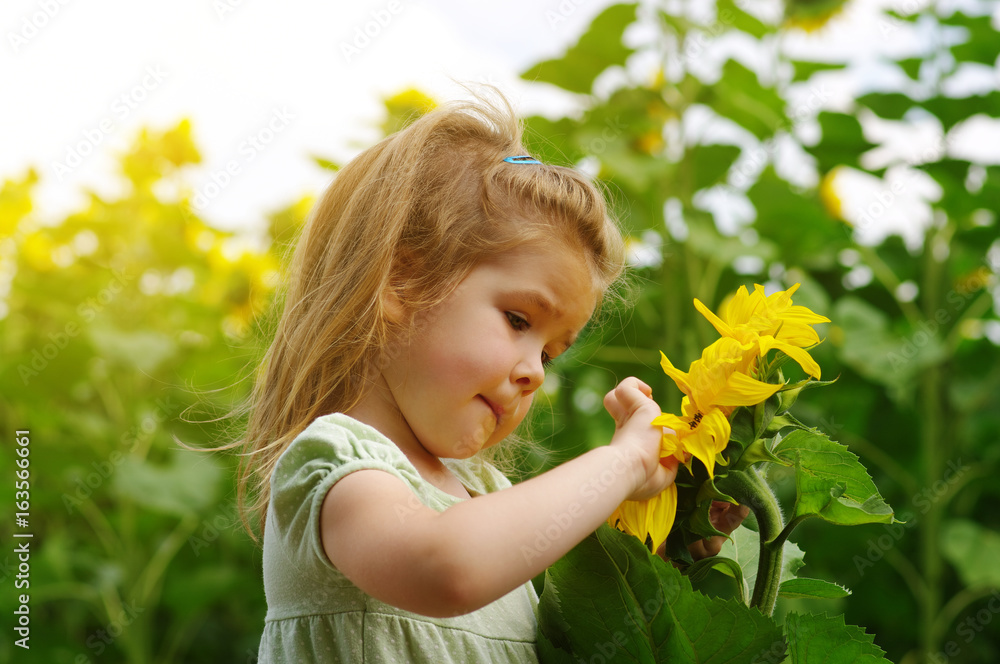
column 932, row 401
column 752, row 490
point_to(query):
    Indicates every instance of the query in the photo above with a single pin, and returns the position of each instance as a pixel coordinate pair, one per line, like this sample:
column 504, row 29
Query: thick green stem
column 932, row 418
column 751, row 490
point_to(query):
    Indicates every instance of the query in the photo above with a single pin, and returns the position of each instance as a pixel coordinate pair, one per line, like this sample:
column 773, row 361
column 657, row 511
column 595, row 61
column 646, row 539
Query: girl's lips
column 497, row 410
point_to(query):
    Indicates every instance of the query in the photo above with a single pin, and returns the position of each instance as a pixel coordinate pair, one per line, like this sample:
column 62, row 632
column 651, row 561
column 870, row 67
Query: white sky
column 231, row 65
column 76, row 73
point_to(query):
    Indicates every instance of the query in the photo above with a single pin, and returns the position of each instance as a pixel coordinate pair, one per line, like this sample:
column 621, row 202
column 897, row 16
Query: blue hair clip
column 522, row 159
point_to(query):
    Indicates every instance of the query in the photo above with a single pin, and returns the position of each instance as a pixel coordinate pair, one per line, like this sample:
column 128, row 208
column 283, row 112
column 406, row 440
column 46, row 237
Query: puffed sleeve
column 330, row 448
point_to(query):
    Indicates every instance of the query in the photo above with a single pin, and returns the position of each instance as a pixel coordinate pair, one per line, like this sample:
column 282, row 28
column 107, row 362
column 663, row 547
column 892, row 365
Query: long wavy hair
column 411, row 215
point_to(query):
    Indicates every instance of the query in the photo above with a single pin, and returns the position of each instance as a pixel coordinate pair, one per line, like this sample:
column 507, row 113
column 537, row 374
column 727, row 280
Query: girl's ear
column 393, row 305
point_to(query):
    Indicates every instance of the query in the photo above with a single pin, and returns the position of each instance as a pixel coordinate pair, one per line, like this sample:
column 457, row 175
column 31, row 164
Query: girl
column 436, row 278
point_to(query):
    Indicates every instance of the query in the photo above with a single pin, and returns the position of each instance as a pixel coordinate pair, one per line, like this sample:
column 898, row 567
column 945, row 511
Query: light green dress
column 314, row 614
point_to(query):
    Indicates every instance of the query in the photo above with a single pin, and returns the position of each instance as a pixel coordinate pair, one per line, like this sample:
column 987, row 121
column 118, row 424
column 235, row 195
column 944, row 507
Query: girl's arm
column 453, row 562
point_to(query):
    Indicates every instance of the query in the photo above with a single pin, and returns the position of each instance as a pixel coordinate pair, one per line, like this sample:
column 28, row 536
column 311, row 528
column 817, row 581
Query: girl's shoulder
column 337, row 439
column 478, row 475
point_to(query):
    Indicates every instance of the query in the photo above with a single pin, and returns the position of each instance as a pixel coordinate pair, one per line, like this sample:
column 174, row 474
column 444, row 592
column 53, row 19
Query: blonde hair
column 414, row 214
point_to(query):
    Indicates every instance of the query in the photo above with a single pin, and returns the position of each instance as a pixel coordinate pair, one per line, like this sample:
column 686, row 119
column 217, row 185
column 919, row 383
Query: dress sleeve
column 330, row 448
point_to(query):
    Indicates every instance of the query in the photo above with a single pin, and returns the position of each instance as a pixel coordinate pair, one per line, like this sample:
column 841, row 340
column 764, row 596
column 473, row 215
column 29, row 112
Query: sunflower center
column 695, row 421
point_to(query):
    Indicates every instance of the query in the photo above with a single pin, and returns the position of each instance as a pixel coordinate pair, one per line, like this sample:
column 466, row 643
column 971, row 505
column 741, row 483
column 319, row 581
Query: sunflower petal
column 741, row 308
column 742, row 390
column 719, row 324
column 671, row 422
column 663, row 511
column 805, row 360
column 678, row 376
column 709, row 438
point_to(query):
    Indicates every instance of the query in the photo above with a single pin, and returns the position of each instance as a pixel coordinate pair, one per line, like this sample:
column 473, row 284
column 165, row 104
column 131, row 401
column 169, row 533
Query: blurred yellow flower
column 37, row 250
column 829, row 197
column 650, row 142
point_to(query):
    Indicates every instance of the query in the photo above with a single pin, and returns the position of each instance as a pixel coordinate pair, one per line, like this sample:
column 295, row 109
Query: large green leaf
column 843, row 141
column 874, row 351
column 796, row 222
column 187, row 485
column 143, row 350
column 974, row 551
column 804, row 69
column 710, row 163
column 730, row 12
column 610, row 597
column 888, row 105
column 828, row 640
column 739, row 96
column 830, row 481
column 982, row 44
column 599, row 48
column 952, row 110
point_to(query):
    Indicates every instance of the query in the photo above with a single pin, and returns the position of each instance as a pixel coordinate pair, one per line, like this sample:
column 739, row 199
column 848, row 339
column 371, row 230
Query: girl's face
column 464, row 377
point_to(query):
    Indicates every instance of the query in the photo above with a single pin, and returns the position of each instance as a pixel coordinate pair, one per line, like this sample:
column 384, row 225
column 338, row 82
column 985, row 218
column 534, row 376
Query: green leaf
column 187, row 485
column 827, row 640
column 796, row 222
column 763, row 413
column 610, row 597
column 811, row 589
column 710, row 163
column 974, row 551
column 739, row 96
column 830, row 481
column 143, row 350
column 729, row 13
column 952, row 110
column 888, row 105
column 551, row 140
column 599, row 48
column 327, row 164
column 759, row 451
column 727, row 566
column 843, row 141
column 805, row 69
column 790, row 393
column 743, row 546
column 871, row 349
column 982, row 46
column 911, row 66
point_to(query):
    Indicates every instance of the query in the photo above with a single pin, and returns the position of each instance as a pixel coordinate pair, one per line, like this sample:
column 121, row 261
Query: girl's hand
column 631, row 406
column 726, row 518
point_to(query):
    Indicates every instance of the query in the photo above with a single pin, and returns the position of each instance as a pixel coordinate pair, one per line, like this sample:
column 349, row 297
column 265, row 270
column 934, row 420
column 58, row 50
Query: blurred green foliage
column 126, row 314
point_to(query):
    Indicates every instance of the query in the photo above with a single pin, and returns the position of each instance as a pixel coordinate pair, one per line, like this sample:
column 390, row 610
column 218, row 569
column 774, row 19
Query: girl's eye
column 520, row 323
column 517, row 321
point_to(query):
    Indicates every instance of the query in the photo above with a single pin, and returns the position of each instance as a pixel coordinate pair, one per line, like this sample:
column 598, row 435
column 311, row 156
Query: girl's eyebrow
column 539, row 300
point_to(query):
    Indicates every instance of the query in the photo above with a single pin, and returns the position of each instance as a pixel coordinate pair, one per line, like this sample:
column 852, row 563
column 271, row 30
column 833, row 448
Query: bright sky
column 268, row 84
column 303, row 78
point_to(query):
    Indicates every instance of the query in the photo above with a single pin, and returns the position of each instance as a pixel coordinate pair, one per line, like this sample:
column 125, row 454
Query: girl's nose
column 530, row 373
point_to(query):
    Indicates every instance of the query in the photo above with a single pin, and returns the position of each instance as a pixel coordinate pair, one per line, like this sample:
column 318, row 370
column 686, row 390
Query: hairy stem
column 750, row 489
